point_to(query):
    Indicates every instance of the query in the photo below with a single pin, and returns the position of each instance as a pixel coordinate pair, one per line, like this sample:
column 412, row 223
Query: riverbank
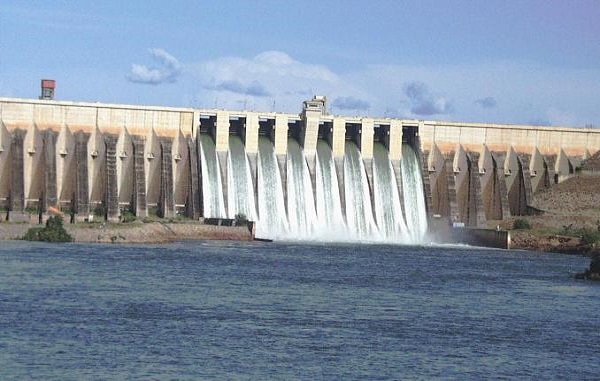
column 569, row 222
column 552, row 243
column 137, row 232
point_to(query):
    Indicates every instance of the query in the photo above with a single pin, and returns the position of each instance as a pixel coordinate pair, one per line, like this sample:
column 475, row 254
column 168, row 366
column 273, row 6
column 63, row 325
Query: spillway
column 359, row 213
column 388, row 211
column 416, row 216
column 239, row 179
column 344, row 207
column 301, row 205
column 272, row 221
column 330, row 219
column 212, row 189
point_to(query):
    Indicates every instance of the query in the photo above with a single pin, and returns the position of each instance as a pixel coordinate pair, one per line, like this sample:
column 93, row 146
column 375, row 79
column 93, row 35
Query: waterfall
column 359, row 214
column 301, row 205
column 414, row 197
column 372, row 212
column 214, row 206
column 330, row 219
column 272, row 222
column 239, row 179
column 388, row 211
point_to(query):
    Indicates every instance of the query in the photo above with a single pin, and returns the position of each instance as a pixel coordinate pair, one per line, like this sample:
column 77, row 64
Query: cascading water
column 272, row 222
column 359, row 214
column 388, row 211
column 212, row 191
column 414, row 197
column 330, row 219
column 239, row 179
column 301, row 210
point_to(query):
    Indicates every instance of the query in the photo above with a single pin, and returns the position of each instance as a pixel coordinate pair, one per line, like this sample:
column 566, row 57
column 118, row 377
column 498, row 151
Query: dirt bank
column 552, row 243
column 570, row 208
column 137, row 232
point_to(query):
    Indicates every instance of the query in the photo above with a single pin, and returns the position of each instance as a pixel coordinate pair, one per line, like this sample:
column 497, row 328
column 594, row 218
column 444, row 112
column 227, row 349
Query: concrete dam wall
column 306, row 172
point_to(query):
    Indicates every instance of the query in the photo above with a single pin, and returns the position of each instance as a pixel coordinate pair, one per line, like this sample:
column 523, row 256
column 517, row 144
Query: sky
column 504, row 61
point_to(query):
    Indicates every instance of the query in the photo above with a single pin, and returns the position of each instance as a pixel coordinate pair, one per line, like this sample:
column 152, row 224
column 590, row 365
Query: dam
column 309, row 175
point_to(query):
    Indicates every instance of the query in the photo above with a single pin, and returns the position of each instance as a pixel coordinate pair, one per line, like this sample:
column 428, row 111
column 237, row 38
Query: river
column 255, row 310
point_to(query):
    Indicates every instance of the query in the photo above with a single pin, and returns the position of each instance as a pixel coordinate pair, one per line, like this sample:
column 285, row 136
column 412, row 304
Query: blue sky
column 532, row 62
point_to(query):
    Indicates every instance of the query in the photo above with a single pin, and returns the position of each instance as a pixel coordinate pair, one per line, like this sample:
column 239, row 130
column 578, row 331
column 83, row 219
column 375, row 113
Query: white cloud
column 522, row 91
column 168, row 69
column 271, row 80
column 350, row 103
column 423, row 102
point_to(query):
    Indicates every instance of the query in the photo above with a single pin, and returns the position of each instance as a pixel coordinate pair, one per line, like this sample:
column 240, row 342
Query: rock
column 593, row 273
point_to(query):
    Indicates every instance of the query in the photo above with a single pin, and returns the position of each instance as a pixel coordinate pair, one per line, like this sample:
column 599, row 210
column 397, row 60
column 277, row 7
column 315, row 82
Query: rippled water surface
column 225, row 310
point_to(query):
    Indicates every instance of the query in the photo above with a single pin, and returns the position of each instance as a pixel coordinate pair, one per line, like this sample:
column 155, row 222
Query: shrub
column 240, row 219
column 127, row 216
column 521, row 224
column 99, row 210
column 52, row 232
column 589, row 236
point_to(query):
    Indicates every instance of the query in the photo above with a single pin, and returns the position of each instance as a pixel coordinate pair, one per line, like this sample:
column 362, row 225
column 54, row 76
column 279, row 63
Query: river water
column 232, row 310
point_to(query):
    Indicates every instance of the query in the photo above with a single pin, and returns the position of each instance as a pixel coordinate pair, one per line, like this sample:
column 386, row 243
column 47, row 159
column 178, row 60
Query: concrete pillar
column 181, row 171
column 33, row 159
column 97, row 175
column 194, row 203
column 222, row 131
column 82, row 178
column 538, row 168
column 366, row 138
column 165, row 204
column 338, row 137
column 564, row 168
column 436, row 167
column 500, row 159
column 140, row 207
column 281, row 134
column 17, row 191
column 250, row 132
column 525, row 160
column 394, row 141
column 5, row 165
column 49, row 188
column 462, row 177
column 65, row 159
column 111, row 197
column 152, row 165
column 125, row 169
column 477, row 215
column 490, row 190
column 453, row 212
column 515, row 184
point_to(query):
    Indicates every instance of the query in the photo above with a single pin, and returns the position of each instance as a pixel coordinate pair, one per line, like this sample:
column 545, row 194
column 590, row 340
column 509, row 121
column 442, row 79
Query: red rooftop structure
column 48, row 86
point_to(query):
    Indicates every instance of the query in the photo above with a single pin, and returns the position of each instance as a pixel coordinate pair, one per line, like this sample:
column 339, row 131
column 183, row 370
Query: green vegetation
column 52, row 232
column 589, row 237
column 127, row 216
column 521, row 224
column 99, row 210
column 240, row 219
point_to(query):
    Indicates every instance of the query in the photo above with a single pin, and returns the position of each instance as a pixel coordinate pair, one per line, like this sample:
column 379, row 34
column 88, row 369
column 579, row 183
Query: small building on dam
column 306, row 174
